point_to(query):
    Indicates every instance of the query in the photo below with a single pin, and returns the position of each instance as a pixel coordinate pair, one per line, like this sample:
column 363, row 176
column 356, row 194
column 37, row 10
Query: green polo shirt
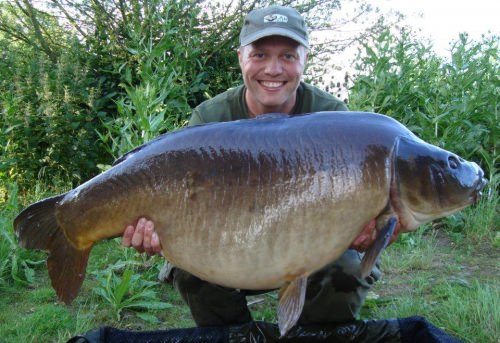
column 231, row 104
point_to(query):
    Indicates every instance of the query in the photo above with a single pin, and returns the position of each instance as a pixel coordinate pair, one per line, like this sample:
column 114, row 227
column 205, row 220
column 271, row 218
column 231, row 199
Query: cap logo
column 276, row 18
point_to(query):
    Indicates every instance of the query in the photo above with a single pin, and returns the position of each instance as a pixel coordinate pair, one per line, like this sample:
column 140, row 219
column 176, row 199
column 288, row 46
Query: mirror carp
column 259, row 203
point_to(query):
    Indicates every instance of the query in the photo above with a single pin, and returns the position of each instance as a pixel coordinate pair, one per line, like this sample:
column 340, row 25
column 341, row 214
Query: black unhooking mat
column 406, row 330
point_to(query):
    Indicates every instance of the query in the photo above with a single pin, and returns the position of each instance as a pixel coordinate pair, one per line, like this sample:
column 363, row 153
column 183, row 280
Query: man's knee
column 211, row 305
column 185, row 282
column 336, row 292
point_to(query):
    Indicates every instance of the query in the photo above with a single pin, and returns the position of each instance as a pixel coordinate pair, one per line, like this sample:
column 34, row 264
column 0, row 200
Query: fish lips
column 477, row 194
column 479, row 184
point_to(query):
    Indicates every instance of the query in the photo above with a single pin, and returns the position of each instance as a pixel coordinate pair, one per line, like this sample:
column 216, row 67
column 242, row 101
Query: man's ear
column 240, row 53
column 306, row 55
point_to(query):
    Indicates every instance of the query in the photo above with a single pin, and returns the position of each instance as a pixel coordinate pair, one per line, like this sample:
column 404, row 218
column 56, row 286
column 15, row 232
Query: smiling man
column 272, row 56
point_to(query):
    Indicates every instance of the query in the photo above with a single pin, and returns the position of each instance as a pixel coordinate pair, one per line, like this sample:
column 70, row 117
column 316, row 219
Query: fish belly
column 259, row 237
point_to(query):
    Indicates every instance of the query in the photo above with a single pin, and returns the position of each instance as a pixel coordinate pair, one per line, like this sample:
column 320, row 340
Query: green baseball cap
column 274, row 21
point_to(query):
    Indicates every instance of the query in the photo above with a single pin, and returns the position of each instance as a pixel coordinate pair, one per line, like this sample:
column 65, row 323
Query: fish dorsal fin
column 381, row 242
column 132, row 152
column 272, row 116
column 123, row 157
column 292, row 297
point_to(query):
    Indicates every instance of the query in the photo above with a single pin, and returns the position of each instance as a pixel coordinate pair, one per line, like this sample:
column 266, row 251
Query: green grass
column 448, row 277
column 448, row 272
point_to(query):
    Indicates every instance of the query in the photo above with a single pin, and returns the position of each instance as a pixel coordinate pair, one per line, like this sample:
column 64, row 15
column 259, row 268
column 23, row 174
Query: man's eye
column 258, row 55
column 290, row 57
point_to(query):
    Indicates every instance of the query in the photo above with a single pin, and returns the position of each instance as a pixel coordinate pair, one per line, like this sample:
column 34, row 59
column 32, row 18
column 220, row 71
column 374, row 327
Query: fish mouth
column 478, row 190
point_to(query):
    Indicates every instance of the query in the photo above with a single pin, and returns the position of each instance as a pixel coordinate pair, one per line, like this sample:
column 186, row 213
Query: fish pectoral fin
column 380, row 243
column 292, row 297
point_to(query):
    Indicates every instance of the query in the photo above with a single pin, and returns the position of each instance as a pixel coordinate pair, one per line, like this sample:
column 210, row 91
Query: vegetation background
column 83, row 81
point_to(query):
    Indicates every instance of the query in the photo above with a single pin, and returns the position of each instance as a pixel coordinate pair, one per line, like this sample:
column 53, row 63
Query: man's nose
column 274, row 67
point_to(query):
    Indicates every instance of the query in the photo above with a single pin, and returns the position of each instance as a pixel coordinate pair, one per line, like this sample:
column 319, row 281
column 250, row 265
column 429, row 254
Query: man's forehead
column 275, row 40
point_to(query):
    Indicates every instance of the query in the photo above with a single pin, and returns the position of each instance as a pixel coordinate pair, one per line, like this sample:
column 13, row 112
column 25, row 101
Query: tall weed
column 480, row 222
column 453, row 104
column 17, row 265
column 160, row 79
column 49, row 119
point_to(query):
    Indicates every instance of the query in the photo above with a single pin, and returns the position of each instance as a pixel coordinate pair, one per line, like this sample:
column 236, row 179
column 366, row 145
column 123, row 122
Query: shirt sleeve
column 342, row 106
column 195, row 118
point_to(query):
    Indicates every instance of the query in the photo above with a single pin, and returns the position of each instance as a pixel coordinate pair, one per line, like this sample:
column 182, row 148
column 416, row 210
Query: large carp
column 259, row 203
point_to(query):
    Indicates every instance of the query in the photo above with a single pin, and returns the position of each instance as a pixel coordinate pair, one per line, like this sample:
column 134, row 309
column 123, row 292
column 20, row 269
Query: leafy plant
column 49, row 119
column 453, row 104
column 160, row 79
column 17, row 265
column 127, row 291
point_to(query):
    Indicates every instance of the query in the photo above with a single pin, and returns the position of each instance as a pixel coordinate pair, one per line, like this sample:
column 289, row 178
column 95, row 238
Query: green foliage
column 47, row 324
column 160, row 78
column 87, row 80
column 17, row 265
column 128, row 291
column 468, row 311
column 480, row 222
column 49, row 118
column 453, row 104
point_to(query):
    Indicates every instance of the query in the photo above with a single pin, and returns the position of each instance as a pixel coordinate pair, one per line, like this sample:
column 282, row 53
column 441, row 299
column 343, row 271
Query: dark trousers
column 334, row 294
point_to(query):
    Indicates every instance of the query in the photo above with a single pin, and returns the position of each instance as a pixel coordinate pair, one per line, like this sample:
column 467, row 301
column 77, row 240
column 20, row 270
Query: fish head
column 431, row 182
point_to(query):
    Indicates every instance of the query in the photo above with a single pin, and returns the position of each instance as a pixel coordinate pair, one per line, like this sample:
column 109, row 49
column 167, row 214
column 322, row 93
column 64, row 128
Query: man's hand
column 142, row 237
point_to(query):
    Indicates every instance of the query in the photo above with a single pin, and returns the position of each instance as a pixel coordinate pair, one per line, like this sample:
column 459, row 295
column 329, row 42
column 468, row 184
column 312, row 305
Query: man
column 272, row 56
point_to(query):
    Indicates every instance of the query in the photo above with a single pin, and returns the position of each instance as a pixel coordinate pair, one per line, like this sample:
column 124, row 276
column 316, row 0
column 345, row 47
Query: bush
column 49, row 118
column 453, row 104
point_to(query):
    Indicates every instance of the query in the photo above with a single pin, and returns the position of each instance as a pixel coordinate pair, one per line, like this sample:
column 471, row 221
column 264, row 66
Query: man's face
column 272, row 68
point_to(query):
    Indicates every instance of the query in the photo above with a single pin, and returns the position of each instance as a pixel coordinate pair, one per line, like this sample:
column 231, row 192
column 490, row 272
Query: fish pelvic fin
column 36, row 227
column 291, row 303
column 372, row 255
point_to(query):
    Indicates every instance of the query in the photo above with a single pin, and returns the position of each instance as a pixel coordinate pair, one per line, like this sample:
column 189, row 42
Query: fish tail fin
column 67, row 267
column 36, row 227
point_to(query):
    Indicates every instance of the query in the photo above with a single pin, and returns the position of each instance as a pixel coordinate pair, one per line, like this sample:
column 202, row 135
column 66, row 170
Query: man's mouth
column 272, row 84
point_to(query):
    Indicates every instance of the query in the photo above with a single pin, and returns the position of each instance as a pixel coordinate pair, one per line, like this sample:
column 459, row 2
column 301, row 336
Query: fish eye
column 453, row 162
